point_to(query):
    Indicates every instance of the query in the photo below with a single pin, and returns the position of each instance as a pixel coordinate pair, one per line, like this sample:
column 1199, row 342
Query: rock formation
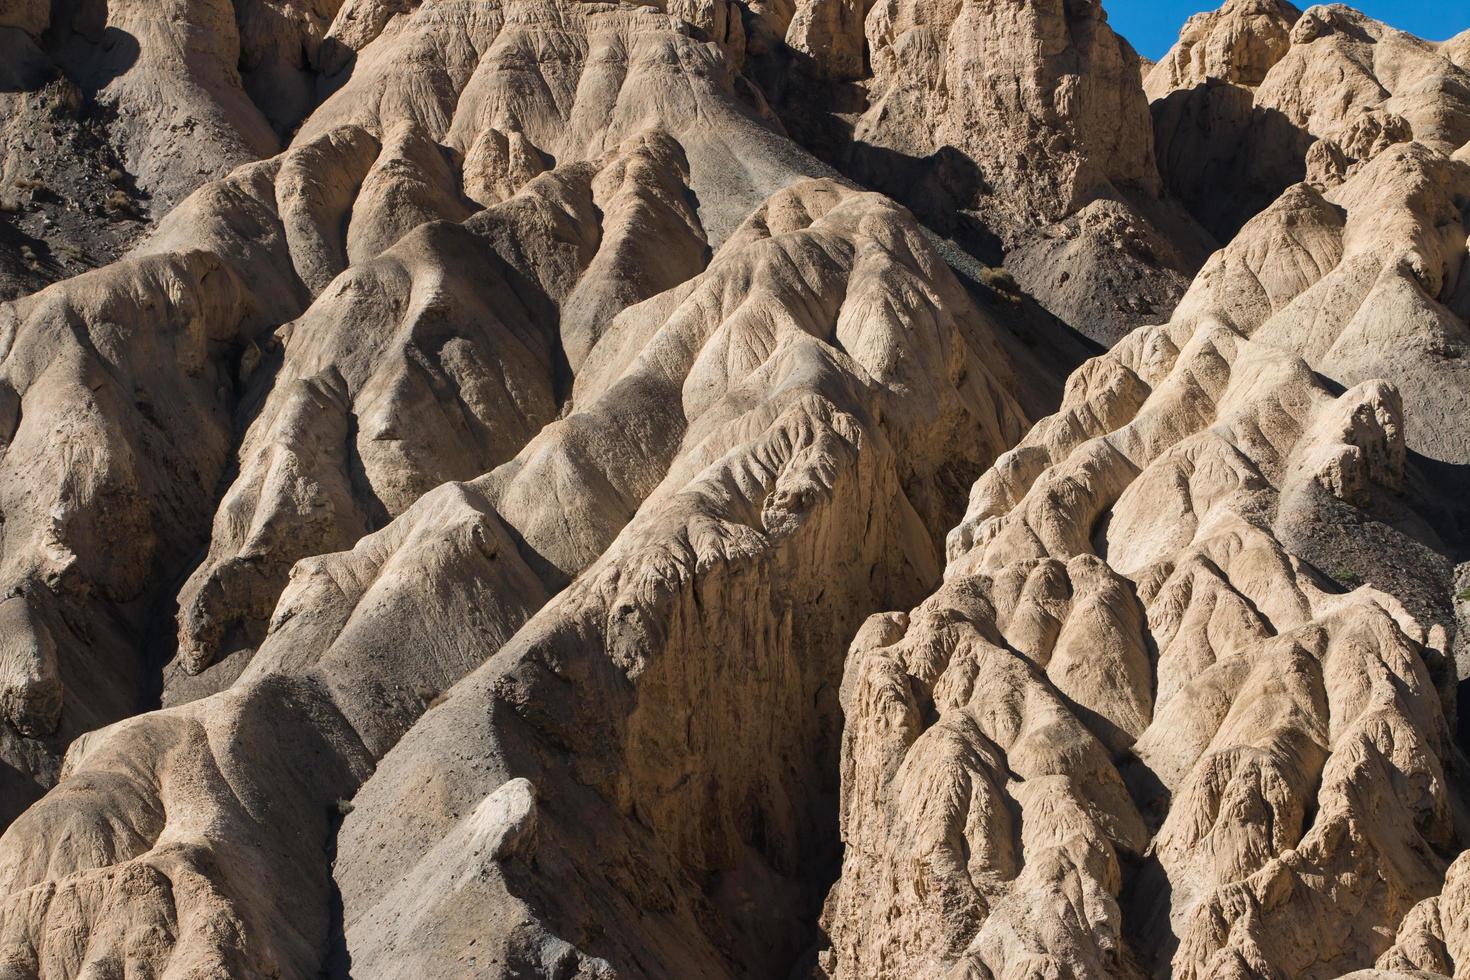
column 1018, row 130
column 551, row 489
column 1267, row 96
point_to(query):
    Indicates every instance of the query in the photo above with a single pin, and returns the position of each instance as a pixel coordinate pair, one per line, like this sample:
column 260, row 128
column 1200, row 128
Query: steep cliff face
column 1312, row 96
column 502, row 507
column 1017, row 129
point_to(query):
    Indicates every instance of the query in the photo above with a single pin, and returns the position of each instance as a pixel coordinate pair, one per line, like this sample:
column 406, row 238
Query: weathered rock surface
column 1238, row 44
column 1309, row 96
column 464, row 525
column 1133, row 732
column 724, row 484
column 111, row 113
column 177, row 343
column 1139, row 730
column 1020, row 130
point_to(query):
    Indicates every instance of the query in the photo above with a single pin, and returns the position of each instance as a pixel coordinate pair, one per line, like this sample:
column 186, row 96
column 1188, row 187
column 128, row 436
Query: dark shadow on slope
column 1146, row 899
column 1223, row 158
column 337, row 963
column 23, row 66
column 940, row 189
column 1440, row 491
column 1044, row 350
column 18, row 788
column 92, row 54
column 818, row 113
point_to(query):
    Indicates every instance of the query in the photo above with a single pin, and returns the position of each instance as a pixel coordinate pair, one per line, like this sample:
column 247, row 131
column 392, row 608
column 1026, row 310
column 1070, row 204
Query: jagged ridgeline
column 731, row 489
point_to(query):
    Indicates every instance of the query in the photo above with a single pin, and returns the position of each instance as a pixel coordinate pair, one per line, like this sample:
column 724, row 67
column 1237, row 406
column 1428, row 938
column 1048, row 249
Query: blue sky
column 1153, row 25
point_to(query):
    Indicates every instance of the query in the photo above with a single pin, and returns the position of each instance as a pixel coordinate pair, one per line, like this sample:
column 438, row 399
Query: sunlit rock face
column 478, row 497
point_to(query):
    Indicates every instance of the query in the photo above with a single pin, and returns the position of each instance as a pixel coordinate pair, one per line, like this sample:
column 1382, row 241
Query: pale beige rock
column 726, row 480
column 1435, row 935
column 116, row 432
column 247, row 253
column 1027, row 119
column 1314, row 96
column 1457, row 49
column 498, row 165
column 1290, row 770
column 549, row 436
column 752, row 486
column 1239, row 43
column 830, row 34
column 1265, row 710
column 436, row 361
column 272, row 234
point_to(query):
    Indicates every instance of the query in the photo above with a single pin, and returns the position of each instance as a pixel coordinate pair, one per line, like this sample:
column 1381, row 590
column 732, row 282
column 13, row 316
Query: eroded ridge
column 130, row 384
column 730, row 457
column 1136, row 731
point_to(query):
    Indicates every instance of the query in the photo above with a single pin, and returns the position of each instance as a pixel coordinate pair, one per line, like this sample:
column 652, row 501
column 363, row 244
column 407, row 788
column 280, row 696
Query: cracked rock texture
column 731, row 488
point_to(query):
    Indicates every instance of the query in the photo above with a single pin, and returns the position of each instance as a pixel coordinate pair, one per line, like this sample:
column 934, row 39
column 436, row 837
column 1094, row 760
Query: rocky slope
column 553, row 489
column 1016, row 129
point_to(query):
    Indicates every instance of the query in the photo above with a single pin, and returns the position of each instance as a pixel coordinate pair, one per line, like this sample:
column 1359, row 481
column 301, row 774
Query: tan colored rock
column 1316, row 96
column 726, row 480
column 246, row 254
column 830, row 34
column 498, row 165
column 1238, row 44
column 1435, row 936
column 1268, row 729
column 551, row 438
column 676, row 578
column 1457, row 49
column 436, row 361
column 278, row 233
column 99, row 488
column 1264, row 711
column 932, row 86
column 1021, row 118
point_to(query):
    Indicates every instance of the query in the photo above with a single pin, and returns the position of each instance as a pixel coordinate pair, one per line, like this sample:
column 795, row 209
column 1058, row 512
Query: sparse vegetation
column 118, row 203
column 1347, row 577
column 1001, row 282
